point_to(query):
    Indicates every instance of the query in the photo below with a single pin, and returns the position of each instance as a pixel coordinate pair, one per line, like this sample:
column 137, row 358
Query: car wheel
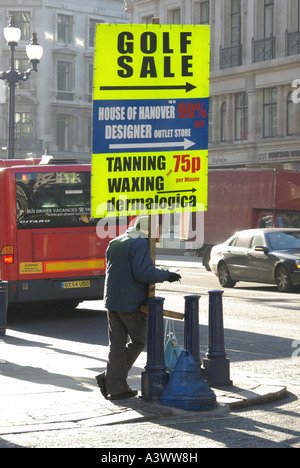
column 283, row 280
column 206, row 258
column 224, row 276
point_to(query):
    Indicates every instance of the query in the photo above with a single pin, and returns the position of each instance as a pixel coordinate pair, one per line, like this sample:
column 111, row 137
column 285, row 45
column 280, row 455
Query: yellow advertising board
column 150, row 119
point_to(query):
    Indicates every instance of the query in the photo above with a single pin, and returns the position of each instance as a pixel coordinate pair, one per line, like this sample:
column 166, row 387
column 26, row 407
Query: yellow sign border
column 176, row 54
column 149, row 62
column 146, row 187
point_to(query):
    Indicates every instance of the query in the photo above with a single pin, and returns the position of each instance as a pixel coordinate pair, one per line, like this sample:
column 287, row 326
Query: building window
column 148, row 19
column 290, row 115
column 24, row 125
column 176, row 16
column 202, row 12
column 232, row 56
column 91, row 78
column 269, row 18
column 64, row 29
column 223, row 121
column 90, row 81
column 22, row 20
column 22, row 65
column 264, row 49
column 235, row 22
column 62, row 132
column 270, row 112
column 90, row 127
column 92, row 31
column 293, row 38
column 241, row 116
column 64, row 81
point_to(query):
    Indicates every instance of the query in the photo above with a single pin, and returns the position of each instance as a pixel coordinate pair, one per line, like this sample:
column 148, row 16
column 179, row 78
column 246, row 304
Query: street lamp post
column 34, row 52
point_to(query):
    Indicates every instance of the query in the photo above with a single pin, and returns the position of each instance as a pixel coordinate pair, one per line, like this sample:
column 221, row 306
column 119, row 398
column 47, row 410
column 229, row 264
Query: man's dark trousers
column 123, row 354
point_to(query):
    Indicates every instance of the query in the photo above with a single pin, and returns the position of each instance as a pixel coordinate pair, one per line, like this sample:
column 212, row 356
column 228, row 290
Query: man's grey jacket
column 129, row 269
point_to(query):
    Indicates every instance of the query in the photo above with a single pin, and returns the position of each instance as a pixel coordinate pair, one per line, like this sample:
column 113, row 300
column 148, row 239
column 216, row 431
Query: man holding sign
column 150, row 156
column 129, row 271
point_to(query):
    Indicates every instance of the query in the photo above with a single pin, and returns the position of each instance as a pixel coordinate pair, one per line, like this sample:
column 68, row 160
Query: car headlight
column 297, row 264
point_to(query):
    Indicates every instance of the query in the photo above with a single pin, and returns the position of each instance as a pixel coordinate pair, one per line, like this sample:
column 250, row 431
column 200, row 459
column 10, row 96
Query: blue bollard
column 191, row 327
column 3, row 306
column 216, row 364
column 155, row 377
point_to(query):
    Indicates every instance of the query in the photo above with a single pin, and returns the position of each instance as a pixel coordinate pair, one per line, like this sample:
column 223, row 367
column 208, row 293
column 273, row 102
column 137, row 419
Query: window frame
column 241, row 115
column 270, row 120
column 290, row 115
column 23, row 24
column 63, row 128
column 223, row 136
column 65, row 28
column 235, row 15
column 268, row 16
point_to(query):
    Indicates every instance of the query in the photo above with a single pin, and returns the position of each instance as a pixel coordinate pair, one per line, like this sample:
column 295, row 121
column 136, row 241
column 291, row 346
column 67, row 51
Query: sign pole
column 152, row 235
column 155, row 377
column 152, row 247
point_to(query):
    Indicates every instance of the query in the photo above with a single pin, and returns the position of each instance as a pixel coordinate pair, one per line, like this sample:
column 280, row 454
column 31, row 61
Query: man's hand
column 174, row 277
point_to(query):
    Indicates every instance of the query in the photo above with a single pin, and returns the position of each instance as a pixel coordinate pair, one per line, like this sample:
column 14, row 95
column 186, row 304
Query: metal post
column 155, row 377
column 12, row 89
column 216, row 364
column 12, row 76
column 191, row 327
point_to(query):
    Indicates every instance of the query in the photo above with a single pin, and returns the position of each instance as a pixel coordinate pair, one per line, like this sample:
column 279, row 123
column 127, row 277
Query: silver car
column 269, row 256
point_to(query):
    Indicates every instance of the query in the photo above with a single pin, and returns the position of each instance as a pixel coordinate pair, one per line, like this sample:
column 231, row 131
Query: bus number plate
column 75, row 284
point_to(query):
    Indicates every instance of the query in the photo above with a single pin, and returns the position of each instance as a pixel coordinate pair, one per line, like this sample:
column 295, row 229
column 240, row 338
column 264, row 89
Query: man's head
column 142, row 224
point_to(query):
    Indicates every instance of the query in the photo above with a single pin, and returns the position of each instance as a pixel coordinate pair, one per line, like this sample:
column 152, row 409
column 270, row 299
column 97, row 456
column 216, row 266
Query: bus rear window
column 53, row 199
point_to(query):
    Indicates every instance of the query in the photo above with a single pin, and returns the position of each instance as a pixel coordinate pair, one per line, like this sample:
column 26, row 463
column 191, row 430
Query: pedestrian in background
column 129, row 271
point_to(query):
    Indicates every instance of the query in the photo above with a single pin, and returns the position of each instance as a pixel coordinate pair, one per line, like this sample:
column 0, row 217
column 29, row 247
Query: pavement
column 48, row 383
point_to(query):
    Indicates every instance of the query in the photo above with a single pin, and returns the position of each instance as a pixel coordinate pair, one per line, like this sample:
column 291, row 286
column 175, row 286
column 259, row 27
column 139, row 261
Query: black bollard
column 216, row 364
column 155, row 377
column 191, row 327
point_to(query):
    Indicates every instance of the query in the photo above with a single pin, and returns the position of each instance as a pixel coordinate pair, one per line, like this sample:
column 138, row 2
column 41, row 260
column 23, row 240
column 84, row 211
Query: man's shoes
column 100, row 379
column 121, row 396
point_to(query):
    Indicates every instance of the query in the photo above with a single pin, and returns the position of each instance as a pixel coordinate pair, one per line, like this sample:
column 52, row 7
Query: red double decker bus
column 49, row 247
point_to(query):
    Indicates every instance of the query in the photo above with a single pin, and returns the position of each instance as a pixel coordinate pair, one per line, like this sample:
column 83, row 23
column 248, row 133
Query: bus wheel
column 69, row 305
column 73, row 304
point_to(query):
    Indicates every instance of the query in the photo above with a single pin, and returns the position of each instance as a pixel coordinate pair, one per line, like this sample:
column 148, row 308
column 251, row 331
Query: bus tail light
column 7, row 254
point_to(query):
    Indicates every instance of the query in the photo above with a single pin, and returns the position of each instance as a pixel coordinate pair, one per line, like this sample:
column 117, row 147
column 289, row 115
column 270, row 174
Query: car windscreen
column 53, row 199
column 284, row 240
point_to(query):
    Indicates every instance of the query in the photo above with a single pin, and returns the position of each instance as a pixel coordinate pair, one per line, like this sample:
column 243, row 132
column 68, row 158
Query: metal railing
column 65, row 96
column 230, row 56
column 263, row 49
column 292, row 41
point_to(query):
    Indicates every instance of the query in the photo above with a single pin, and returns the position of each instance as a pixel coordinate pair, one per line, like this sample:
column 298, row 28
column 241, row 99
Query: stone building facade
column 54, row 107
column 255, row 47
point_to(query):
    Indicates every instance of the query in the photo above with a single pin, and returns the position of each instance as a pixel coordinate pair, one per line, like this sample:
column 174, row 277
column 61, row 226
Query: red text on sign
column 184, row 163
